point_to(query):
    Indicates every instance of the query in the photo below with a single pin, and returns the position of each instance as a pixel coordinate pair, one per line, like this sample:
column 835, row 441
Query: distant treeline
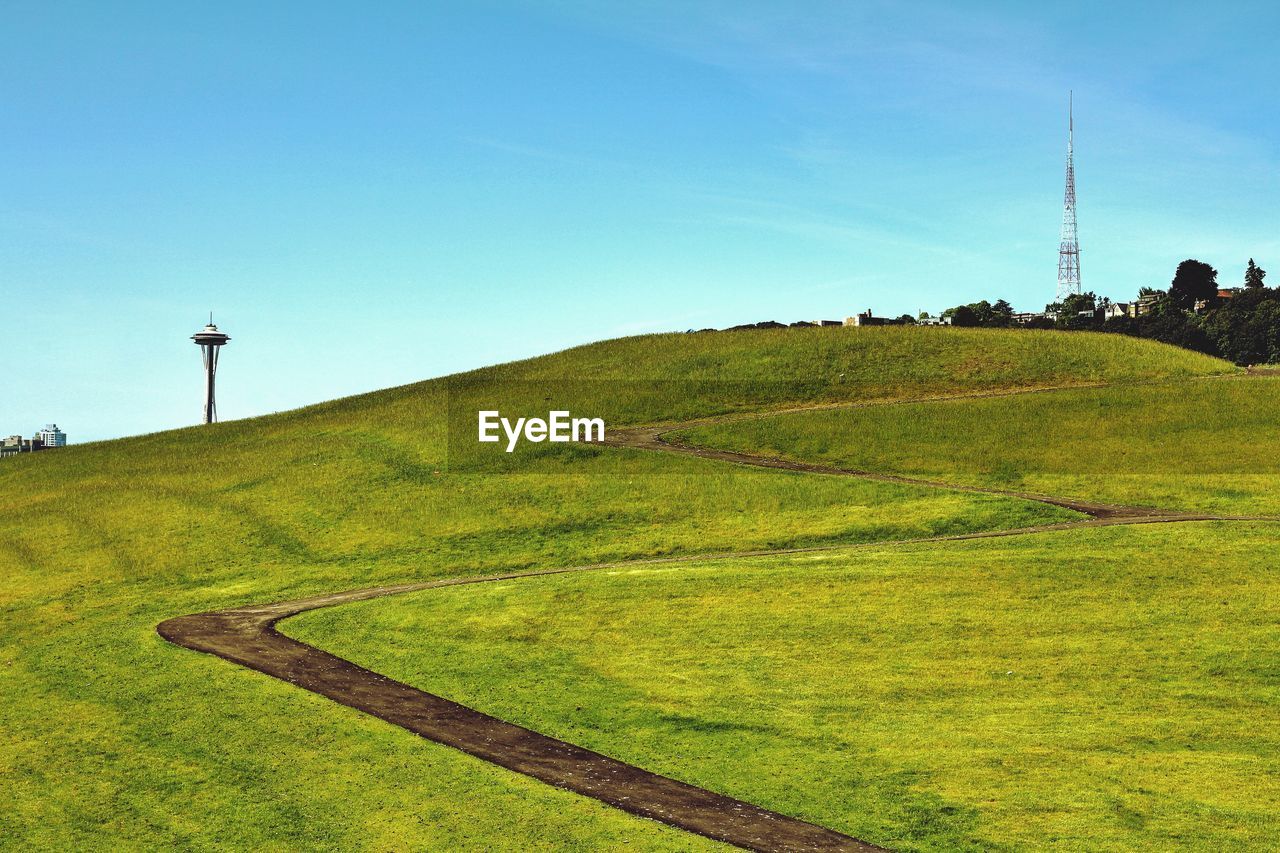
column 1241, row 324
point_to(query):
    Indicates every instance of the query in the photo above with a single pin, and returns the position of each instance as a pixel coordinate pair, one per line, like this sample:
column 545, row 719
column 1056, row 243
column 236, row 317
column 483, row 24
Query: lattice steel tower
column 1069, row 245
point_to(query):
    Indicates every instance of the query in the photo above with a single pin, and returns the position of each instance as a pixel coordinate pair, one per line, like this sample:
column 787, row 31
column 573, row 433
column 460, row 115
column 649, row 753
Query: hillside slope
column 114, row 737
column 1199, row 446
column 1088, row 689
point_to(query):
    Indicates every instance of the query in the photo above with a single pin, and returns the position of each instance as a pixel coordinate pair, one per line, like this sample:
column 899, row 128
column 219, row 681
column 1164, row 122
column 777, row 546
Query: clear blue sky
column 372, row 194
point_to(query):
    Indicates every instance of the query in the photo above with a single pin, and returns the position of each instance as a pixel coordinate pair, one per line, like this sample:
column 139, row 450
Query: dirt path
column 247, row 636
column 655, row 438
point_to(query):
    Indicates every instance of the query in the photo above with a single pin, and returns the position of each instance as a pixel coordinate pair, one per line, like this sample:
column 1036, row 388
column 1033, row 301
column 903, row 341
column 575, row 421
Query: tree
column 1267, row 319
column 982, row 311
column 1254, row 275
column 1165, row 304
column 1194, row 281
column 974, row 314
column 907, row 320
column 1122, row 325
column 1077, row 311
column 1001, row 314
column 1246, row 329
column 1179, row 329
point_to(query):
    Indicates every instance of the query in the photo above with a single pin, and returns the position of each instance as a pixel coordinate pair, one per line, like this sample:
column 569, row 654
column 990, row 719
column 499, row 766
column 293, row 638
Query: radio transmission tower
column 1069, row 247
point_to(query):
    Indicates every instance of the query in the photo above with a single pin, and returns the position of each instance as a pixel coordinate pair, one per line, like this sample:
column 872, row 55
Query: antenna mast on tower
column 1069, row 246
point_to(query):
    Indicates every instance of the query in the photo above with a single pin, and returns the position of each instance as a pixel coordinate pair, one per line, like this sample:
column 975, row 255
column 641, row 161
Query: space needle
column 210, row 340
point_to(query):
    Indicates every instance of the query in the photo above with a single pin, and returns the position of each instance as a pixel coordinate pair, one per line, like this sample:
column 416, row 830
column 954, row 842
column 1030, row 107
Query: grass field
column 1209, row 445
column 661, row 378
column 1092, row 689
column 113, row 738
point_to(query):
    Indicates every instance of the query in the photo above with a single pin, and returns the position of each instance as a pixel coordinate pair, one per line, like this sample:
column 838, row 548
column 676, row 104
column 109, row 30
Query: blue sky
column 372, row 194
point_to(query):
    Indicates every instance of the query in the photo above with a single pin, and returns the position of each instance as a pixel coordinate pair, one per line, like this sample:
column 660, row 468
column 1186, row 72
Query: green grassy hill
column 1094, row 689
column 1203, row 445
column 115, row 738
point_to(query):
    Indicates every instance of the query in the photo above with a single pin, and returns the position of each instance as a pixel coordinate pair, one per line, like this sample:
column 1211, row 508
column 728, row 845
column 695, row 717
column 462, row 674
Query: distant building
column 51, row 436
column 815, row 323
column 47, row 438
column 1022, row 318
column 866, row 319
column 1223, row 295
column 1146, row 304
column 15, row 444
column 1117, row 309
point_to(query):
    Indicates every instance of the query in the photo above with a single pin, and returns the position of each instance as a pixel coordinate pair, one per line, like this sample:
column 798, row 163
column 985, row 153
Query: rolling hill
column 116, row 738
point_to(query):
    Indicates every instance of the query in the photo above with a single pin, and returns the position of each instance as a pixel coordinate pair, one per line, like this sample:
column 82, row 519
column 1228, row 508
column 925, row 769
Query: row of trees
column 992, row 315
column 1244, row 327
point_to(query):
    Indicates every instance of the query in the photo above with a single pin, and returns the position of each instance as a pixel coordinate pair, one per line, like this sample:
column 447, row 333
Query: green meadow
column 1106, row 688
column 1209, row 445
column 662, row 378
column 112, row 738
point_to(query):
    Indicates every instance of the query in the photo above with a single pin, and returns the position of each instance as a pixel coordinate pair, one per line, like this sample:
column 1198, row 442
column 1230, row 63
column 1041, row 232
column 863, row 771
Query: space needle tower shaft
column 210, row 341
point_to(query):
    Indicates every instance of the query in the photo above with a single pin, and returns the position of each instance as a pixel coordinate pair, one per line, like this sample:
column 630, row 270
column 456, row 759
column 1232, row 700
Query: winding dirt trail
column 248, row 636
column 655, row 438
